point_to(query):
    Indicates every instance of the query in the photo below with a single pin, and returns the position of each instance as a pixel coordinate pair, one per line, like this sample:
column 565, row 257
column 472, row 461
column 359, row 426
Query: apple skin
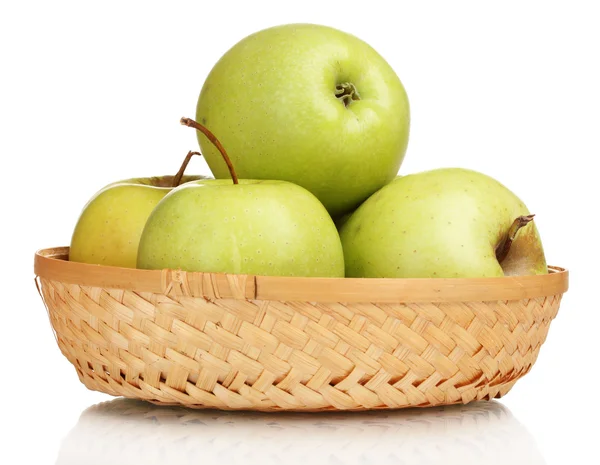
column 440, row 223
column 111, row 223
column 257, row 227
column 271, row 101
column 340, row 221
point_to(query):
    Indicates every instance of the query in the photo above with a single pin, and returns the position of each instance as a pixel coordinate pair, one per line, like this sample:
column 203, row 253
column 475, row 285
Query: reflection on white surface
column 128, row 432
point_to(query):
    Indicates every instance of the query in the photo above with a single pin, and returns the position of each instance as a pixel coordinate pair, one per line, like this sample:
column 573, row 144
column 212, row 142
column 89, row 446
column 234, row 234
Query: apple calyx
column 190, row 123
column 177, row 178
column 346, row 92
column 504, row 246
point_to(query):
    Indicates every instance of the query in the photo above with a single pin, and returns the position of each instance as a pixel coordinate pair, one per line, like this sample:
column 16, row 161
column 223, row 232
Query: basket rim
column 52, row 264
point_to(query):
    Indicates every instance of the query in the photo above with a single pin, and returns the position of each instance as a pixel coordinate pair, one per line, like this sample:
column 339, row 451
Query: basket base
column 119, row 388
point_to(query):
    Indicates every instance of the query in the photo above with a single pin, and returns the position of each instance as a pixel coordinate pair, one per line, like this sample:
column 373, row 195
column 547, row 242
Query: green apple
column 448, row 222
column 256, row 227
column 109, row 227
column 311, row 105
column 111, row 223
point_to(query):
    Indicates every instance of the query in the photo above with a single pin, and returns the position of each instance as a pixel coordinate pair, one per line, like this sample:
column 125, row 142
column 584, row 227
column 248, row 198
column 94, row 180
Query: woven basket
column 273, row 343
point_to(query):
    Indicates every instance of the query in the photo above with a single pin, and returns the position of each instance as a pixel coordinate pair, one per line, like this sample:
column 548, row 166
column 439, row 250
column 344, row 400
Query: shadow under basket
column 208, row 340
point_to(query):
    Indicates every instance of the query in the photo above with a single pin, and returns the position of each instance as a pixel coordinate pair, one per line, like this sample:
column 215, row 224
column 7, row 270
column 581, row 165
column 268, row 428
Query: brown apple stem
column 177, row 178
column 211, row 137
column 504, row 246
column 346, row 92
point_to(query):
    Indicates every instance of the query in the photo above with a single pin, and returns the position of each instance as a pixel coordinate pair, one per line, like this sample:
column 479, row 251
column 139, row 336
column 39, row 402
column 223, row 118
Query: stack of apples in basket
column 312, row 272
column 304, row 128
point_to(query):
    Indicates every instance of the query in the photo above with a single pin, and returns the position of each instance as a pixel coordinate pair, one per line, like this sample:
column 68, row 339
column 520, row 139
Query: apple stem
column 504, row 246
column 177, row 178
column 346, row 92
column 211, row 137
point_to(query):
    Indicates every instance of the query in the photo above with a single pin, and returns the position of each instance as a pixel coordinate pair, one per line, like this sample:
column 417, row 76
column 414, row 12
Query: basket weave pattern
column 203, row 343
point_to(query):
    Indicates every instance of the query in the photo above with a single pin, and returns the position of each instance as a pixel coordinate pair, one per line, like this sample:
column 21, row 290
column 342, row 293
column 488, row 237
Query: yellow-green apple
column 258, row 227
column 448, row 222
column 307, row 104
column 109, row 227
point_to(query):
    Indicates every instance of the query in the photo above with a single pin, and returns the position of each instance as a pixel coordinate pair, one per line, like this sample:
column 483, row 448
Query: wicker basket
column 272, row 343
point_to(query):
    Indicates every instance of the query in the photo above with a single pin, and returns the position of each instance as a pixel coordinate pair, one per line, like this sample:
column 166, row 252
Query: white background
column 92, row 92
